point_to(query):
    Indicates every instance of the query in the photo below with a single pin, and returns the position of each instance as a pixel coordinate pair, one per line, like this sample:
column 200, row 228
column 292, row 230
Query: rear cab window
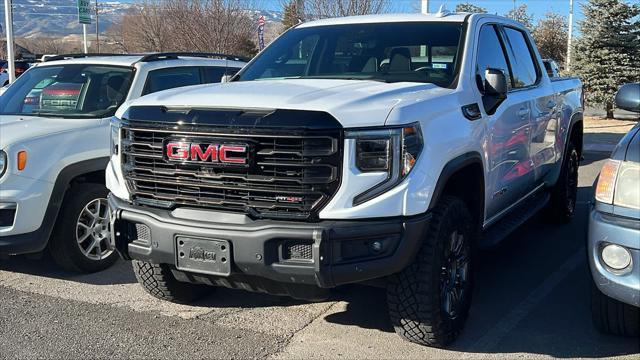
column 526, row 73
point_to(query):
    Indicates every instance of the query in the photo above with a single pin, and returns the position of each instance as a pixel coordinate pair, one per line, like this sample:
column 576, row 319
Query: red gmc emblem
column 210, row 153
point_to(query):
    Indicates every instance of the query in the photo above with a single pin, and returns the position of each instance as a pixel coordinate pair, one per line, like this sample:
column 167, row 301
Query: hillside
column 59, row 18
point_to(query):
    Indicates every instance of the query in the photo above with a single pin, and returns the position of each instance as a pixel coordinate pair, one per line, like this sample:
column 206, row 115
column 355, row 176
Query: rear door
column 508, row 125
column 528, row 79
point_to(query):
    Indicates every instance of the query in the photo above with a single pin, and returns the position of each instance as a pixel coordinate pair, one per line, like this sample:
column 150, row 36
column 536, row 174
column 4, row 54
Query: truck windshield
column 389, row 52
column 69, row 91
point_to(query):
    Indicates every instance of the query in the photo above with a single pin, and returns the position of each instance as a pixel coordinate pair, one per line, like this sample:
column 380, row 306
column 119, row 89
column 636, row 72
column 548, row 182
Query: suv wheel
column 564, row 194
column 158, row 281
column 611, row 316
column 80, row 238
column 430, row 299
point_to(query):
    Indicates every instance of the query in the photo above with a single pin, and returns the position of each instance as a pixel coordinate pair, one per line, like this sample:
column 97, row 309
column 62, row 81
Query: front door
column 510, row 172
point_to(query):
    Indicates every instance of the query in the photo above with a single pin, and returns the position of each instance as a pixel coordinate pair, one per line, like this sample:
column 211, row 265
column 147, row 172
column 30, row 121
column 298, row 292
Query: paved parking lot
column 531, row 300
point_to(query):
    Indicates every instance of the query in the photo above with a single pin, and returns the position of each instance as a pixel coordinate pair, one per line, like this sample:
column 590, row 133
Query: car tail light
column 607, row 181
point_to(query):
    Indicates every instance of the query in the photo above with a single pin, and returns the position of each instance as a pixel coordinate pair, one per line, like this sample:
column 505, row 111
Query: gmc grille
column 292, row 174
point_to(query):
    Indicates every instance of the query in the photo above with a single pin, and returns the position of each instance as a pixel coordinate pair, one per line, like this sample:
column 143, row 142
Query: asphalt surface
column 531, row 300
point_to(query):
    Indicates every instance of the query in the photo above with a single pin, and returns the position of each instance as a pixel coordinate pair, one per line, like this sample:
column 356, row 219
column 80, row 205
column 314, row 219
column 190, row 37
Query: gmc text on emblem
column 210, row 153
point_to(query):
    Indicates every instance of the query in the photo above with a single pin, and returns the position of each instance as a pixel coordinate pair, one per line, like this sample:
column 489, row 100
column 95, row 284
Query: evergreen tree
column 247, row 47
column 551, row 35
column 607, row 54
column 521, row 14
column 470, row 8
column 291, row 15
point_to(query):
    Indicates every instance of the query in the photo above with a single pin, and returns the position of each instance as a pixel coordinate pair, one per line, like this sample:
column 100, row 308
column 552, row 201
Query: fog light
column 616, row 257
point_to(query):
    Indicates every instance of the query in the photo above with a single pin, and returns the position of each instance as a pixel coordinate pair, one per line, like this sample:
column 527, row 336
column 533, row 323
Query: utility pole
column 570, row 35
column 8, row 21
column 97, row 30
column 425, row 6
column 300, row 10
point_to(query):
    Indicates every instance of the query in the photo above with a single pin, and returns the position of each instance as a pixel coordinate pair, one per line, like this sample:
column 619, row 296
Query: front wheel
column 430, row 299
column 158, row 281
column 611, row 316
column 79, row 241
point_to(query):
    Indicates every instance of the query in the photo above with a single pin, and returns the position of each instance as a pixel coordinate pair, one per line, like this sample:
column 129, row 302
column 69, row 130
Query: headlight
column 619, row 184
column 3, row 162
column 115, row 135
column 393, row 151
column 628, row 186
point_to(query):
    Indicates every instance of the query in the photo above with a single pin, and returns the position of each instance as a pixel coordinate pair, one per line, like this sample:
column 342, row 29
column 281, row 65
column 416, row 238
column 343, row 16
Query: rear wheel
column 430, row 299
column 79, row 241
column 158, row 281
column 564, row 194
column 611, row 316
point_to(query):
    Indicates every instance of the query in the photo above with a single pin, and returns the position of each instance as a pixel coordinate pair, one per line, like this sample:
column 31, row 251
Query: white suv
column 54, row 146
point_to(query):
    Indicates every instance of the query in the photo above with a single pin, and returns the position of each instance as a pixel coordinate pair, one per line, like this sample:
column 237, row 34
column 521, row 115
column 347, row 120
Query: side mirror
column 495, row 83
column 226, row 78
column 628, row 97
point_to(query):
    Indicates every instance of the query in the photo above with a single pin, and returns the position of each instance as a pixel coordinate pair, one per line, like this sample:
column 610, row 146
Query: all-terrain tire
column 158, row 281
column 415, row 296
column 611, row 316
column 564, row 194
column 63, row 245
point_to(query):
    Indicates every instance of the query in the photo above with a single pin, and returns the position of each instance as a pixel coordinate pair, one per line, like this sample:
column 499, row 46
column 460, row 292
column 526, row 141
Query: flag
column 261, row 23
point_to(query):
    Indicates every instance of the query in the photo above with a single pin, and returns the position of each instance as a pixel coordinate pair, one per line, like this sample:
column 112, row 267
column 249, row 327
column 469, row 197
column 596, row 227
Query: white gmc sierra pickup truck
column 376, row 149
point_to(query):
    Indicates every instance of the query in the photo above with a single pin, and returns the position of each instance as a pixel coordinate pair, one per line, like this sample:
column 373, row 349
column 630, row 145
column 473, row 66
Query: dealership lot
column 532, row 299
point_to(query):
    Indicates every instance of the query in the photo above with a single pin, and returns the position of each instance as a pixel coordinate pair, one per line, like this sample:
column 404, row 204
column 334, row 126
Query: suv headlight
column 3, row 162
column 393, row 151
column 618, row 184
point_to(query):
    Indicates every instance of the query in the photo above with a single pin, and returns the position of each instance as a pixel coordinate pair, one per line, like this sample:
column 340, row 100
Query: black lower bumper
column 325, row 254
column 27, row 243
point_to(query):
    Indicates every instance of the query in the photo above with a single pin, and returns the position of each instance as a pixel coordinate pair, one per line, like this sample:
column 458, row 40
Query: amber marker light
column 22, row 160
column 607, row 181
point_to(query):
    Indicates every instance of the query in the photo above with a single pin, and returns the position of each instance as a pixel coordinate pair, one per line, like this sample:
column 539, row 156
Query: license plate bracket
column 205, row 256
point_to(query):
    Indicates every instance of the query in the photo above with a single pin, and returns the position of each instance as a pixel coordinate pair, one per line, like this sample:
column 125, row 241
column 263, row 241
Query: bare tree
column 337, row 8
column 551, row 36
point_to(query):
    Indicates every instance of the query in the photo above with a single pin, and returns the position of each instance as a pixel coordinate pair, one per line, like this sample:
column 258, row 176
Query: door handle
column 523, row 113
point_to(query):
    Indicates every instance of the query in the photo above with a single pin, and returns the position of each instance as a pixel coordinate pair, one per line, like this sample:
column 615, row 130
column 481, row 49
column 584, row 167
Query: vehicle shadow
column 532, row 295
column 120, row 273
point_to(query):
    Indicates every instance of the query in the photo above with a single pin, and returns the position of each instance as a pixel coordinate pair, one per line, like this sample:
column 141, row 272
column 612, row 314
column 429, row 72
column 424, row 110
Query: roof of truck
column 130, row 60
column 388, row 18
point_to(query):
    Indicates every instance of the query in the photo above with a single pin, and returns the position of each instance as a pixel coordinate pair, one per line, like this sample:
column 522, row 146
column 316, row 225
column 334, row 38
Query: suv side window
column 525, row 72
column 490, row 55
column 214, row 74
column 169, row 78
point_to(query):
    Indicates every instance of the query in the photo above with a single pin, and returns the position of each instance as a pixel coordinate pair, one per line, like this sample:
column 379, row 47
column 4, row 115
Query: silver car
column 614, row 232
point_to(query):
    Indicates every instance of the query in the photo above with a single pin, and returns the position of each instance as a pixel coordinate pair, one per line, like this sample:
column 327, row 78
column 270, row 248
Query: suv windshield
column 389, row 52
column 73, row 90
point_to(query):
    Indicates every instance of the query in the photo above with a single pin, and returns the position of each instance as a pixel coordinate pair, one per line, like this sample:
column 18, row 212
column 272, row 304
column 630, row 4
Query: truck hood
column 354, row 103
column 18, row 128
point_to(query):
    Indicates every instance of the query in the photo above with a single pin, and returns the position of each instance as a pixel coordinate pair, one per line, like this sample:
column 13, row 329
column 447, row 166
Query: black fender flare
column 453, row 166
column 554, row 175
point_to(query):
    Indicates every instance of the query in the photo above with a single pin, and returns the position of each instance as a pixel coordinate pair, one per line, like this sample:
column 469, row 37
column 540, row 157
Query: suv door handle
column 523, row 113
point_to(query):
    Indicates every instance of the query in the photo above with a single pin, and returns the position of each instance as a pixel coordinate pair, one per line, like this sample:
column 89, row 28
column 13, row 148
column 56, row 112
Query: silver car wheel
column 92, row 230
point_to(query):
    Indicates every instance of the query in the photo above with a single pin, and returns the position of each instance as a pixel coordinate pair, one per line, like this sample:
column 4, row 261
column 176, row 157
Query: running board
column 517, row 216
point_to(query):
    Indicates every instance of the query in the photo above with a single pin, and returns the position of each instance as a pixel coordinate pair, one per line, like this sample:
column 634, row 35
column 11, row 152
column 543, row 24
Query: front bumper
column 610, row 229
column 23, row 203
column 341, row 252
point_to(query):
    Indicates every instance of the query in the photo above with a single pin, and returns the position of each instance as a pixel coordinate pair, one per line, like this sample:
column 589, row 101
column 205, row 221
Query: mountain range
column 59, row 18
